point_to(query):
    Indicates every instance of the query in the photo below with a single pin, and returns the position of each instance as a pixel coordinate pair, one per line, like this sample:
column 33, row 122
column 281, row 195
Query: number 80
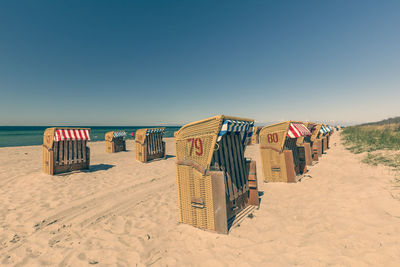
column 272, row 138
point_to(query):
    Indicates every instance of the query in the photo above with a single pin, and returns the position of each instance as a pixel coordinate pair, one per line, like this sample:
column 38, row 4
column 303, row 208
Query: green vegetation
column 369, row 138
column 380, row 139
column 379, row 158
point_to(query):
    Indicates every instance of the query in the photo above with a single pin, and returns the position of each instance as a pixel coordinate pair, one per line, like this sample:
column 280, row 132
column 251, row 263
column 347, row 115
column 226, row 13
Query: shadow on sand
column 99, row 167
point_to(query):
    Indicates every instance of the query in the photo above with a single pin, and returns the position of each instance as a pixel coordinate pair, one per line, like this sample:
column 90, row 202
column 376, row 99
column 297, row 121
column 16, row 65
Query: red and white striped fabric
column 71, row 134
column 297, row 130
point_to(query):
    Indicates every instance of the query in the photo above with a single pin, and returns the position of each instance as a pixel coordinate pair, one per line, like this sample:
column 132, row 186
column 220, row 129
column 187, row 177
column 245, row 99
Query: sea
column 33, row 135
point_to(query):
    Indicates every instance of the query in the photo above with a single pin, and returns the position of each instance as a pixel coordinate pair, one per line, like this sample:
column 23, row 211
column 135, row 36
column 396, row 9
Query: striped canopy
column 324, row 129
column 244, row 127
column 119, row 134
column 297, row 130
column 155, row 130
column 71, row 134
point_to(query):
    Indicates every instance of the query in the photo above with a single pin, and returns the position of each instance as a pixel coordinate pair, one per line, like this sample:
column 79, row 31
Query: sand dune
column 124, row 213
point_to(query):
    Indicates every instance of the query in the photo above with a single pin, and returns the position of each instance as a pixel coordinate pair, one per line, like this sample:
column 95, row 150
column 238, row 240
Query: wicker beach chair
column 149, row 144
column 65, row 150
column 213, row 180
column 324, row 136
column 280, row 155
column 115, row 141
column 306, row 142
column 316, row 139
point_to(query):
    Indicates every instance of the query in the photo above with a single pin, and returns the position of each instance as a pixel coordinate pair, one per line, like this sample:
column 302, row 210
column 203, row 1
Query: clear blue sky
column 151, row 62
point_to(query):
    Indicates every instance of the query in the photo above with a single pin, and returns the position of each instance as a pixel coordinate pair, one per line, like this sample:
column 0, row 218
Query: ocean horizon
column 11, row 136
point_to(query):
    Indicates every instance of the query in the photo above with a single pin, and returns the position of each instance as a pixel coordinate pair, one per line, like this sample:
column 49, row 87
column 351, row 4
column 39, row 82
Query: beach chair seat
column 65, row 150
column 213, row 174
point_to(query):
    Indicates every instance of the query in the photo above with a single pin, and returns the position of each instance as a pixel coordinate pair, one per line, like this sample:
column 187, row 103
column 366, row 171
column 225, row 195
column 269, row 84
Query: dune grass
column 381, row 143
column 360, row 139
column 380, row 158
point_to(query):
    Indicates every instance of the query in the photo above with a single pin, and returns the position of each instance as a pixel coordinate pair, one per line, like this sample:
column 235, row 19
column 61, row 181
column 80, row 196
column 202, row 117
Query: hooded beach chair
column 313, row 145
column 324, row 136
column 316, row 139
column 149, row 144
column 115, row 141
column 305, row 145
column 65, row 149
column 213, row 181
column 280, row 155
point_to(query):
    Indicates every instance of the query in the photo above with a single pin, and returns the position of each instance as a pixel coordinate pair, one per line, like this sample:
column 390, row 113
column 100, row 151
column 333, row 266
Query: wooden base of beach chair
column 143, row 156
column 253, row 186
column 324, row 145
column 315, row 154
column 210, row 210
column 302, row 165
column 318, row 147
column 308, row 154
column 278, row 166
column 115, row 146
column 53, row 166
column 327, row 141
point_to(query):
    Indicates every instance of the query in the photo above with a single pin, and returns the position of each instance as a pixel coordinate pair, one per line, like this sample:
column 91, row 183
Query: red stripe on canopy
column 71, row 134
column 297, row 129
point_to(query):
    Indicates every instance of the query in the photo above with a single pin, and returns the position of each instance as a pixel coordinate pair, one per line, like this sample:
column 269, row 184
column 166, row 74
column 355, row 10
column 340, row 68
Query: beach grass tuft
column 381, row 142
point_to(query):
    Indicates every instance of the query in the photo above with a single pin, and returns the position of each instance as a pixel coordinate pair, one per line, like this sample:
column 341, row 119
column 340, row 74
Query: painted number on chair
column 196, row 146
column 272, row 138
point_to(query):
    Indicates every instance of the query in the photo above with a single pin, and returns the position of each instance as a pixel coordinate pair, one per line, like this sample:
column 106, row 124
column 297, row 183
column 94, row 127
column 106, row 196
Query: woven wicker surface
column 109, row 136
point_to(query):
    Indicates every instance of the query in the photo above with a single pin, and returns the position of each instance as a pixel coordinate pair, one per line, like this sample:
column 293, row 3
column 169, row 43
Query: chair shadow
column 99, row 167
column 169, row 156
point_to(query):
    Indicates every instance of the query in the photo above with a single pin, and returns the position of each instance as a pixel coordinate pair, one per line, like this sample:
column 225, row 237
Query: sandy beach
column 125, row 213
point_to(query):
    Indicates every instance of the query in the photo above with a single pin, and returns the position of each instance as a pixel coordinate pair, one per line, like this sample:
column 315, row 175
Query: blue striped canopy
column 324, row 129
column 233, row 126
column 119, row 133
column 155, row 130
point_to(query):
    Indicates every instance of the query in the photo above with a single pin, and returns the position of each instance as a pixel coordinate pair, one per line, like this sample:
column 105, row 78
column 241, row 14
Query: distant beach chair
column 256, row 135
column 308, row 144
column 316, row 139
column 214, row 179
column 280, row 154
column 65, row 150
column 115, row 141
column 324, row 136
column 328, row 135
column 149, row 144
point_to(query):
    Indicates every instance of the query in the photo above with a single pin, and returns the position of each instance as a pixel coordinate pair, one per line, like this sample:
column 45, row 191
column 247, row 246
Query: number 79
column 197, row 145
